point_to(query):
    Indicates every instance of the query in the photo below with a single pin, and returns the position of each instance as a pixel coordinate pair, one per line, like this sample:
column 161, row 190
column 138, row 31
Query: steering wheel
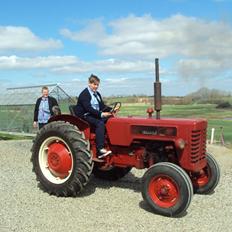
column 116, row 106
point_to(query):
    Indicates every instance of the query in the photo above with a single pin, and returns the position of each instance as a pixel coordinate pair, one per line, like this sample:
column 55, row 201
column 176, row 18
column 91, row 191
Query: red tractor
column 172, row 150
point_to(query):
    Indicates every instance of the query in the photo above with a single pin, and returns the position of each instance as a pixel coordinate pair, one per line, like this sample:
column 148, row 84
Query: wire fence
column 17, row 107
column 216, row 136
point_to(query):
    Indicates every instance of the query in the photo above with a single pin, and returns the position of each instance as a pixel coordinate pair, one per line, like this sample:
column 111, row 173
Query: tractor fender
column 80, row 123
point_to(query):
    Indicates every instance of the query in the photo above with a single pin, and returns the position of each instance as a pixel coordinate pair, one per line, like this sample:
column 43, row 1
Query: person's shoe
column 103, row 153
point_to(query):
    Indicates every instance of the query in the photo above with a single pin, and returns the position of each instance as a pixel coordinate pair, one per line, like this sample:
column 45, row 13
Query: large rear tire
column 167, row 189
column 61, row 159
column 112, row 174
column 205, row 181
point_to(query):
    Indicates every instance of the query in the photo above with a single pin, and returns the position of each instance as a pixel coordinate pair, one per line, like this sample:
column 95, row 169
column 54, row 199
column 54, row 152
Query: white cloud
column 108, row 66
column 204, row 68
column 116, row 81
column 203, row 47
column 94, row 31
column 125, row 86
column 148, row 37
column 22, row 39
column 72, row 64
column 15, row 62
column 197, row 48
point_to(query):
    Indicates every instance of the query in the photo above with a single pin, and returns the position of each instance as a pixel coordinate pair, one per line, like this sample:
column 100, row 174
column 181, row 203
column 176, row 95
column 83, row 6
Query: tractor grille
column 198, row 145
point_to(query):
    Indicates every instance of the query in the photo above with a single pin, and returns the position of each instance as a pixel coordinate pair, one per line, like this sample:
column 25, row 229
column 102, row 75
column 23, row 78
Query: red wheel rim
column 59, row 159
column 164, row 191
column 202, row 178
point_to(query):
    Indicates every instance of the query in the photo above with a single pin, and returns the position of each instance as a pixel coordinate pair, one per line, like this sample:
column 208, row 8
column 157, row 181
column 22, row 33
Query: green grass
column 221, row 127
column 7, row 136
column 217, row 118
column 190, row 111
column 13, row 118
column 20, row 118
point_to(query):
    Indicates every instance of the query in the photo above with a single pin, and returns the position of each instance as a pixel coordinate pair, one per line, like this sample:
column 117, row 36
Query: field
column 220, row 119
column 20, row 119
column 9, row 136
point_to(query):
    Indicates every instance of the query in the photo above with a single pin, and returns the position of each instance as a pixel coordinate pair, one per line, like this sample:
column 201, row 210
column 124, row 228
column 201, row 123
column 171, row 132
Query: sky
column 48, row 42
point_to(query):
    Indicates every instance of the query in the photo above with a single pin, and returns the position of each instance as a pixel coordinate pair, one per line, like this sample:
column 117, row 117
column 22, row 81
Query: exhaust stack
column 157, row 90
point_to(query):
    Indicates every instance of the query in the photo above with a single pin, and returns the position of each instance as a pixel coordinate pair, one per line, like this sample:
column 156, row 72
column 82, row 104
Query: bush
column 224, row 105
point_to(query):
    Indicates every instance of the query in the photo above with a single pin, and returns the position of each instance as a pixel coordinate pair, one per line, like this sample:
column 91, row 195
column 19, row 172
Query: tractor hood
column 124, row 130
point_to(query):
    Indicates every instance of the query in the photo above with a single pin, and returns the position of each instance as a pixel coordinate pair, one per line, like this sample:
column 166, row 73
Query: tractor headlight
column 180, row 143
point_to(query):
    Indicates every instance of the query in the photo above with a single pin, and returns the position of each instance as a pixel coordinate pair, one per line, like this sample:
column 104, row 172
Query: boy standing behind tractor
column 44, row 108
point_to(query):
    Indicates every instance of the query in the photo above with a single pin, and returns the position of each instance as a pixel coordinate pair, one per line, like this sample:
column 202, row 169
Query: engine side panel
column 124, row 131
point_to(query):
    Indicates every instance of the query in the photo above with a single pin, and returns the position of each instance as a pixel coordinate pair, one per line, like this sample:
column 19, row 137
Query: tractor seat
column 72, row 109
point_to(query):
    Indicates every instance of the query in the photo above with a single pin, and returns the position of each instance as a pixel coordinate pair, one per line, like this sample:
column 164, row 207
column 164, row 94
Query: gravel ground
column 104, row 206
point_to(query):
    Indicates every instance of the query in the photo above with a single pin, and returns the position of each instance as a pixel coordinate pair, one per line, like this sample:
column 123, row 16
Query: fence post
column 212, row 136
column 222, row 137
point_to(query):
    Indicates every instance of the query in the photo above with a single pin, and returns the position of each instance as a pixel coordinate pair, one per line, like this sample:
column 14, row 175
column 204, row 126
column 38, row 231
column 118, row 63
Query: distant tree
column 205, row 95
column 224, row 105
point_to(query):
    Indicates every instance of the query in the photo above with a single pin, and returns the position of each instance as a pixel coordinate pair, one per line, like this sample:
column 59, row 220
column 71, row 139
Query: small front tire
column 167, row 189
column 205, row 181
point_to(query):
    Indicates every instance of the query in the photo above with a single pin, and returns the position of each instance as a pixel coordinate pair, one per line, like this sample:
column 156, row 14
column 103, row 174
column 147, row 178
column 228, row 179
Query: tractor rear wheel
column 112, row 173
column 61, row 159
column 167, row 189
column 207, row 179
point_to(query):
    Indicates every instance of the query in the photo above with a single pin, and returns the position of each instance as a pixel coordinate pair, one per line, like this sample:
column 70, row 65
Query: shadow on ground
column 130, row 181
column 144, row 205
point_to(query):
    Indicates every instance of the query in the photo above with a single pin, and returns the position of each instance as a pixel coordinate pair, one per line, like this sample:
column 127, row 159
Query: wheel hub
column 164, row 191
column 59, row 159
column 202, row 178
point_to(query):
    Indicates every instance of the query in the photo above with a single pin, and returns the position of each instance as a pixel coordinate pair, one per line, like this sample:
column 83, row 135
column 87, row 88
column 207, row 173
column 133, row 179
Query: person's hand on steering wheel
column 106, row 114
column 114, row 113
column 116, row 108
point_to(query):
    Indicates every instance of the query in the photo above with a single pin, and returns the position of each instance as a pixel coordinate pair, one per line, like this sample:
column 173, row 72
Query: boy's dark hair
column 93, row 78
column 44, row 88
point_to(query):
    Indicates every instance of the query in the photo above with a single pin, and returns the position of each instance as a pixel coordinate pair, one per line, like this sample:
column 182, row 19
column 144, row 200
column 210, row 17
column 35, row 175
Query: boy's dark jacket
column 84, row 105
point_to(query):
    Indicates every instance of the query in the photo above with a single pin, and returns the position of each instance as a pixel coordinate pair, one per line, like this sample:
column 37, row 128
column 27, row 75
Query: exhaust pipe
column 157, row 90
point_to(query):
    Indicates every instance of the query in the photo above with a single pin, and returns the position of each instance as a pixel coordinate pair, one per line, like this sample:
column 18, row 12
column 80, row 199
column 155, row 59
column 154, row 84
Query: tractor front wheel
column 167, row 189
column 205, row 181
